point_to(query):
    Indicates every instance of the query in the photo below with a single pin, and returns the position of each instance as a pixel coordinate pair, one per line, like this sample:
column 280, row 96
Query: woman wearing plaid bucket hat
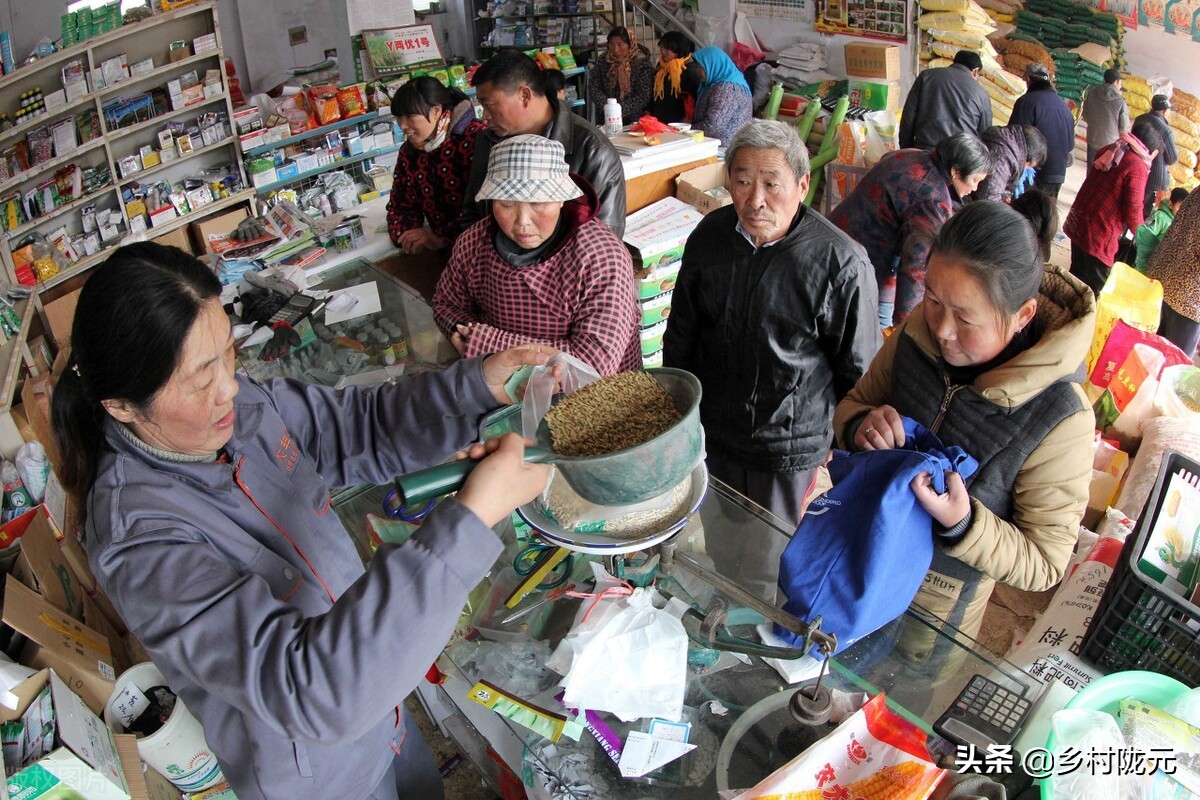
column 541, row 268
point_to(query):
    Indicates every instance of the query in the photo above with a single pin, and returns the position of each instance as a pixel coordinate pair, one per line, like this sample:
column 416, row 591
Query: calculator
column 295, row 309
column 984, row 713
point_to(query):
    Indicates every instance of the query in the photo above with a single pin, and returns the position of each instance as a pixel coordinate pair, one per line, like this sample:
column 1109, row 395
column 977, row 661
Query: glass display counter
column 919, row 664
column 399, row 338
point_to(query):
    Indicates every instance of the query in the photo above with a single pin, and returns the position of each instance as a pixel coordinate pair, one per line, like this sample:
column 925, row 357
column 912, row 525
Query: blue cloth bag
column 863, row 548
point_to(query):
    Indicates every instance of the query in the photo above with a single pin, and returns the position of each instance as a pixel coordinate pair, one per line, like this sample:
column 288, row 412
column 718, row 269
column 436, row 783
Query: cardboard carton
column 657, row 234
column 60, row 313
column 81, row 655
column 874, row 95
column 84, row 759
column 35, row 398
column 694, row 186
column 216, row 224
column 176, row 238
column 876, row 61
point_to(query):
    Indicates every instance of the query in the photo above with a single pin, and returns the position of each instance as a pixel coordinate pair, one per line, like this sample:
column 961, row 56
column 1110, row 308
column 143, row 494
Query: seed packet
column 564, row 56
column 351, row 102
column 324, row 101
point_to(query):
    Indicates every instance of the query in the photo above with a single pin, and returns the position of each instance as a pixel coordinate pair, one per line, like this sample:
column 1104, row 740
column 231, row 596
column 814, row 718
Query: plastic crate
column 1141, row 624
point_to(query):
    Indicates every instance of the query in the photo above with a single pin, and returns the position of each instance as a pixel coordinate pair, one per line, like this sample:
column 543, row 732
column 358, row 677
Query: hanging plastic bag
column 881, row 130
column 543, row 385
column 625, row 656
column 863, row 548
column 1127, row 295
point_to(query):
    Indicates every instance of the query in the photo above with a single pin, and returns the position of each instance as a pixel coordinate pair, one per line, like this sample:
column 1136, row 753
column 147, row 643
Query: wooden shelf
column 154, row 122
column 156, row 74
column 40, row 170
column 47, row 118
column 216, row 205
column 139, row 176
column 79, row 267
column 345, row 162
column 58, row 212
column 315, row 132
column 9, row 351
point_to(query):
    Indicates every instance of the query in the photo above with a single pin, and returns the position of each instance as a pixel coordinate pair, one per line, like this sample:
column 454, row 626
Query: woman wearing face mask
column 623, row 72
column 988, row 362
column 898, row 207
column 439, row 126
column 206, row 505
column 541, row 268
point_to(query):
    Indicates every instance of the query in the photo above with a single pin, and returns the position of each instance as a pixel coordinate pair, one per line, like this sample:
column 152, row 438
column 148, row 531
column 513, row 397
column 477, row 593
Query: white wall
column 29, row 20
column 1150, row 52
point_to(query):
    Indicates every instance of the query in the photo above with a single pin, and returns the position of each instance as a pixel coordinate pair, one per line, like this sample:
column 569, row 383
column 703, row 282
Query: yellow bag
column 960, row 6
column 1187, row 158
column 1127, row 295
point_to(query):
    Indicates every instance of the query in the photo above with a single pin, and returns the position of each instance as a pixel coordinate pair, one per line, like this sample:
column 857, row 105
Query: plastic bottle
column 34, row 470
column 612, row 117
column 16, row 497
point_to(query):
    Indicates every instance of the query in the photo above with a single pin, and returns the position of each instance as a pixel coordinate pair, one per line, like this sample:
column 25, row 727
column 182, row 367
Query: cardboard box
column 875, row 96
column 85, row 759
column 877, row 61
column 176, row 238
column 656, row 310
column 652, row 338
column 658, row 280
column 79, row 654
column 692, row 187
column 216, row 224
column 657, row 233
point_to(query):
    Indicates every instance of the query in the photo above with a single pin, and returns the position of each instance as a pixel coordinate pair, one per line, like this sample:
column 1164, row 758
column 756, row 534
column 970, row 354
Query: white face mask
column 439, row 135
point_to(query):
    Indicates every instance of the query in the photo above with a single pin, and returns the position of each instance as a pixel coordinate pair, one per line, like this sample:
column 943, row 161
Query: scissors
column 537, row 557
column 397, row 510
column 549, row 597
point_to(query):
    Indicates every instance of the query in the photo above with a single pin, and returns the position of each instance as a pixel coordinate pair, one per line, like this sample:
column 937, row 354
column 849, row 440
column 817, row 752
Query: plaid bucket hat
column 530, row 169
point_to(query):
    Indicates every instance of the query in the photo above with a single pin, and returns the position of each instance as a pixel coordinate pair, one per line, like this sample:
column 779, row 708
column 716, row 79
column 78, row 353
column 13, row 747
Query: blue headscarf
column 718, row 68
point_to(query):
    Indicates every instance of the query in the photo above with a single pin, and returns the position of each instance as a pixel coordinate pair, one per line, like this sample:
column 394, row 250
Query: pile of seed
column 611, row 414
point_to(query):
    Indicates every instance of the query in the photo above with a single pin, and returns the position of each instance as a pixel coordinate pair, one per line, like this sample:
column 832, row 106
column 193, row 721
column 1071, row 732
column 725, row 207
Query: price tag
column 129, row 704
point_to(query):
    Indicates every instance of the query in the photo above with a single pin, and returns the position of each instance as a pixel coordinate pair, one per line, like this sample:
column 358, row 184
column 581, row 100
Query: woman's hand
column 881, row 429
column 503, row 480
column 415, row 240
column 950, row 508
column 459, row 339
column 499, row 367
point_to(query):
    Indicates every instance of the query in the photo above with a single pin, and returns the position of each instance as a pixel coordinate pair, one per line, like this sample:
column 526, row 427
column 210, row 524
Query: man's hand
column 503, row 480
column 415, row 240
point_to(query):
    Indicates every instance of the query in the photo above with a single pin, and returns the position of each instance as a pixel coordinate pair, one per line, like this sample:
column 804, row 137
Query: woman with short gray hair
column 899, row 206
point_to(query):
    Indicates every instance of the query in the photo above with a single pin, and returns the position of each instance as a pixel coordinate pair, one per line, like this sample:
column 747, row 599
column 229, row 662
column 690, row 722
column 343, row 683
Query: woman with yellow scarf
column 677, row 80
column 623, row 72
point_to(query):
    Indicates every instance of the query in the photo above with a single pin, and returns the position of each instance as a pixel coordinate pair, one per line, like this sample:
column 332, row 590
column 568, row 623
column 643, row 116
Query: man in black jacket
column 946, row 101
column 510, row 89
column 1044, row 109
column 776, row 312
column 1155, row 132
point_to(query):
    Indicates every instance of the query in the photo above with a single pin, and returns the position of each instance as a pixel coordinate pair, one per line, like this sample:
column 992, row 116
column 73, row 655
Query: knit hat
column 969, row 59
column 1160, row 102
column 1034, row 71
column 1112, row 75
column 530, row 169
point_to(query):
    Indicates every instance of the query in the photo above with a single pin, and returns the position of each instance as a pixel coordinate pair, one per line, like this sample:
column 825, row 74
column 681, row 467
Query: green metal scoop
column 620, row 478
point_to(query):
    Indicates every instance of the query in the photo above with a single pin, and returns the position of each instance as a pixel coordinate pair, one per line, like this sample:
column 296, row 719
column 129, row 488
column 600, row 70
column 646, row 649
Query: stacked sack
column 1017, row 54
column 1075, row 74
column 953, row 25
column 1184, row 119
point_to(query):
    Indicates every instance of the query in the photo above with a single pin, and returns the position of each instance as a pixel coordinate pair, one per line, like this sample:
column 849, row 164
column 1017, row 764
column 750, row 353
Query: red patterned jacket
column 432, row 186
column 579, row 298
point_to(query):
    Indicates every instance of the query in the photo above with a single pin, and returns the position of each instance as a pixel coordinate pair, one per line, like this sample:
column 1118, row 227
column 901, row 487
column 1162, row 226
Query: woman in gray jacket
column 208, row 524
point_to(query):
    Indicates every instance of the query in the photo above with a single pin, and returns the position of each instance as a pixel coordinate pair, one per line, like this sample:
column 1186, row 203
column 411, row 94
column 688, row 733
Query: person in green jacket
column 1151, row 233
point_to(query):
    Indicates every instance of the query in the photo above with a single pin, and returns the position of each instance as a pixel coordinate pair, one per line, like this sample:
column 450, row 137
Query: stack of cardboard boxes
column 874, row 73
column 657, row 234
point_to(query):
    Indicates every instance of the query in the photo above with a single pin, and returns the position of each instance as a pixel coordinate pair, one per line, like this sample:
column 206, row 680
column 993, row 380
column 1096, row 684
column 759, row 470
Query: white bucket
column 177, row 750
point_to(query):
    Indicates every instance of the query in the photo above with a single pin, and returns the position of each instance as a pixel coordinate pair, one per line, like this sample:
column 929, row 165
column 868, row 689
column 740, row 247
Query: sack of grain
column 960, row 6
column 997, row 93
column 944, row 20
column 1186, row 142
column 1005, row 80
column 1187, row 158
column 1094, row 53
column 1180, row 122
column 964, row 39
column 1136, row 85
column 939, row 63
column 942, row 49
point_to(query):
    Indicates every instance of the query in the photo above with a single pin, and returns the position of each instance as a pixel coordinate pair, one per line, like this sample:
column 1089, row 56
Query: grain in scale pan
column 611, row 414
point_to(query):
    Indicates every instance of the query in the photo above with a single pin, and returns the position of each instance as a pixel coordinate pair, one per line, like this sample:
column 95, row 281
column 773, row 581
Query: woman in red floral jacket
column 430, row 182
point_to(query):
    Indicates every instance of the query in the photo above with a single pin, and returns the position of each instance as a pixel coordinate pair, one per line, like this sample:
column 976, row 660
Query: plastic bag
column 873, row 753
column 1127, row 295
column 626, row 657
column 542, row 386
column 881, row 129
column 1178, row 392
column 1186, row 707
column 1086, row 732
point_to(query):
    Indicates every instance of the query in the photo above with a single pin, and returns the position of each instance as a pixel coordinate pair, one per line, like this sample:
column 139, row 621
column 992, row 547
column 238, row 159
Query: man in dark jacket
column 1043, row 108
column 1152, row 128
column 943, row 102
column 510, row 89
column 775, row 311
column 1014, row 148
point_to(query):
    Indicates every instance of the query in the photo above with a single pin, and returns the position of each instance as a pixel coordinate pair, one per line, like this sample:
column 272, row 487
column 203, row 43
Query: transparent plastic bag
column 1084, row 732
column 543, row 385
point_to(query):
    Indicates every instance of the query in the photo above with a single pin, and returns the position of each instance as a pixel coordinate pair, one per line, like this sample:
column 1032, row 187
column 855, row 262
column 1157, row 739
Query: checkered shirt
column 1107, row 204
column 580, row 299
